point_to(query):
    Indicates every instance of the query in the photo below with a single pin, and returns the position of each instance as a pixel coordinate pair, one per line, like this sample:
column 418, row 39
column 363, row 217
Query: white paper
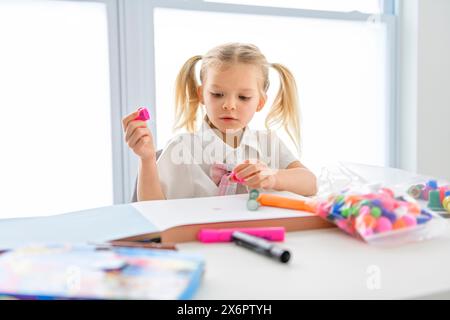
column 165, row 214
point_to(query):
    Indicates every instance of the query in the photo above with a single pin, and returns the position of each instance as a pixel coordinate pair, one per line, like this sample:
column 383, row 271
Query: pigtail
column 187, row 100
column 285, row 110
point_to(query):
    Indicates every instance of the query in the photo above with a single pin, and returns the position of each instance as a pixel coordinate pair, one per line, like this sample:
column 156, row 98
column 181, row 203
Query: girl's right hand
column 138, row 136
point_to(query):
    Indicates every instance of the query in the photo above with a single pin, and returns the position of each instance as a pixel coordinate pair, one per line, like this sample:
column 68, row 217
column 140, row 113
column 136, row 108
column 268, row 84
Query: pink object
column 220, row 175
column 233, row 176
column 442, row 191
column 217, row 171
column 389, row 204
column 144, row 115
column 383, row 225
column 322, row 209
column 224, row 235
column 409, row 220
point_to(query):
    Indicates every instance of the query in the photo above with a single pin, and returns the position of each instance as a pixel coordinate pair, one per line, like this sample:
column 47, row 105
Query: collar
column 249, row 138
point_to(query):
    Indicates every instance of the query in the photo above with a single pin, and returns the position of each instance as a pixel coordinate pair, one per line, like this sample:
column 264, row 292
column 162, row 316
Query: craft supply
column 260, row 245
column 272, row 200
column 367, row 215
column 143, row 115
column 224, row 235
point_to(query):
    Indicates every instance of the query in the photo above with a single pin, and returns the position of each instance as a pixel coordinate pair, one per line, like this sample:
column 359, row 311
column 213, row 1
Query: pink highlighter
column 143, row 115
column 224, row 235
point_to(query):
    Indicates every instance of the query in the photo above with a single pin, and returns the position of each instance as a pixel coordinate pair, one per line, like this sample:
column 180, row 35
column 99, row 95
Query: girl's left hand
column 256, row 174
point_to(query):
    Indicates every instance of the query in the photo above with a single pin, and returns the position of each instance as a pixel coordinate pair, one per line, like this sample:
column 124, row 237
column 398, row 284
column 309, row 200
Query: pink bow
column 217, row 171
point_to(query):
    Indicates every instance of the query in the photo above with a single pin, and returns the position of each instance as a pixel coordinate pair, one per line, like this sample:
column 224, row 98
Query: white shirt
column 184, row 164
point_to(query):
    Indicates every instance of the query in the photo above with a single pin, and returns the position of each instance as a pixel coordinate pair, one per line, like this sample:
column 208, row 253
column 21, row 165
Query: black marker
column 260, row 245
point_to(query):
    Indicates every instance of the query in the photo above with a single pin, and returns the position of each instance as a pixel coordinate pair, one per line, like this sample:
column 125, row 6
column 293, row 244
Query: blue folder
column 93, row 225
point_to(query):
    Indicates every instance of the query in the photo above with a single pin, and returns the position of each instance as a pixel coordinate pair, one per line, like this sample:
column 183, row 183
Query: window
column 55, row 130
column 342, row 67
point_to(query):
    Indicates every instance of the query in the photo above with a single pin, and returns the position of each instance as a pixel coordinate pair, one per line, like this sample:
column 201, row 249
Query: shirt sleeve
column 174, row 171
column 286, row 157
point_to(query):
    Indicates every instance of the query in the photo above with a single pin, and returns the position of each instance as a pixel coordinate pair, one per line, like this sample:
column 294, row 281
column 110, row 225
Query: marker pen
column 260, row 245
column 224, row 235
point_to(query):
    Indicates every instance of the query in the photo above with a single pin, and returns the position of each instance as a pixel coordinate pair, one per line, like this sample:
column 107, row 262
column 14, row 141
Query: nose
column 230, row 104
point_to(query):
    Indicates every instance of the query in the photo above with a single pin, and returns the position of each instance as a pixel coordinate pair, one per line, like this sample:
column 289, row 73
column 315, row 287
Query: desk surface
column 328, row 264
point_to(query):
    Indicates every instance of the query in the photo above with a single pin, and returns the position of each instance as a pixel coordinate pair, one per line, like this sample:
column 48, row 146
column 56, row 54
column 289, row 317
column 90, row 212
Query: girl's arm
column 296, row 178
column 140, row 140
column 148, row 185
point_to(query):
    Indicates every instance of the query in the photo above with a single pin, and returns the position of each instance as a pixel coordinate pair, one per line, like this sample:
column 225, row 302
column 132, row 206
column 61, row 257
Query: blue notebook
column 66, row 271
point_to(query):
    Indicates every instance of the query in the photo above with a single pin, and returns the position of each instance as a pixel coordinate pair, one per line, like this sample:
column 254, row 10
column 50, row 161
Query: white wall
column 425, row 87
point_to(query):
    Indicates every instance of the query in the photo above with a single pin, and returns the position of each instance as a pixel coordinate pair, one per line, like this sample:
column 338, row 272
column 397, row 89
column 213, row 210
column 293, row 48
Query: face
column 232, row 96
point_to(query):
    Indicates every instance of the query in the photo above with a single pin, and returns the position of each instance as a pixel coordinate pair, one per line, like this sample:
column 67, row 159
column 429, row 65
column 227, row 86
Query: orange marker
column 287, row 203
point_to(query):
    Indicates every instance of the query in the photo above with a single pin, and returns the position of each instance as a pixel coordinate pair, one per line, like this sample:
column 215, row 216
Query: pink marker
column 144, row 115
column 224, row 235
column 233, row 176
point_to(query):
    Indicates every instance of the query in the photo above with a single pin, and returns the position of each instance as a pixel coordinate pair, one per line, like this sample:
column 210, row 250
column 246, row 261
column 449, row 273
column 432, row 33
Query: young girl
column 224, row 156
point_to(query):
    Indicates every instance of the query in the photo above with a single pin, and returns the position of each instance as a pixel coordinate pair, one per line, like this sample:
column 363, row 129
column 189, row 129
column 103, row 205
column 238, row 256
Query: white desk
column 328, row 264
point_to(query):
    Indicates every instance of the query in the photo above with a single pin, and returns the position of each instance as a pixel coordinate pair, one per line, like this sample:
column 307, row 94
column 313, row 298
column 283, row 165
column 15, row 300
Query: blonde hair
column 284, row 110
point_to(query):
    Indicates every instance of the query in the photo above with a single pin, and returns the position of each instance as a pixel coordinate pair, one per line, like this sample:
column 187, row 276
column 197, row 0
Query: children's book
column 169, row 220
column 66, row 271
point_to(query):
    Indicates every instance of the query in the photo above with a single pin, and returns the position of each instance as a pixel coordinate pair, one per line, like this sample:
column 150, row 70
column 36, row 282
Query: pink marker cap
column 224, row 235
column 233, row 176
column 144, row 115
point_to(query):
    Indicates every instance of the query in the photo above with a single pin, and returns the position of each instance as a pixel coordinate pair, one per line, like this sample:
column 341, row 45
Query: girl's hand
column 138, row 136
column 256, row 174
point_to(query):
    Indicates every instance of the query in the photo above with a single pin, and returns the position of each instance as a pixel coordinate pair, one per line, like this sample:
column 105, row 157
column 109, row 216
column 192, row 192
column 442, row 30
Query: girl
column 224, row 156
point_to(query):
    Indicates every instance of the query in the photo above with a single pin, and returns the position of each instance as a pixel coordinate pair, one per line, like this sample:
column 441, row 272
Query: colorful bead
column 376, row 212
column 369, row 221
column 354, row 211
column 345, row 212
column 388, row 204
column 373, row 213
column 390, row 215
column 383, row 225
column 399, row 224
column 409, row 220
column 376, row 203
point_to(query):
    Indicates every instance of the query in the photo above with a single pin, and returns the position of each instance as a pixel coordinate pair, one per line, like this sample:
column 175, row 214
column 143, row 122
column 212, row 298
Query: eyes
column 219, row 95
